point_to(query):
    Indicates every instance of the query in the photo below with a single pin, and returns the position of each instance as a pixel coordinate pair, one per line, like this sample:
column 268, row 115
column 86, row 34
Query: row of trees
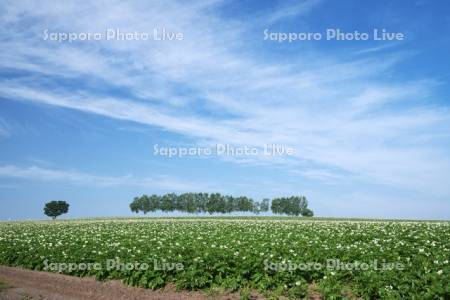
column 197, row 202
column 292, row 206
column 217, row 203
column 202, row 202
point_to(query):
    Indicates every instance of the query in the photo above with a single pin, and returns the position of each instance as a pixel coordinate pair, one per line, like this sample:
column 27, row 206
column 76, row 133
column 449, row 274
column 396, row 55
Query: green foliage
column 54, row 209
column 307, row 212
column 291, row 206
column 230, row 254
column 217, row 203
column 265, row 205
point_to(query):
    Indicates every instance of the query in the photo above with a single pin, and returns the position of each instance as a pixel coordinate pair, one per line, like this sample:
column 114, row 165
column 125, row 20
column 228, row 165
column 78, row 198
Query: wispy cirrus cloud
column 339, row 113
column 161, row 182
column 291, row 9
column 4, row 129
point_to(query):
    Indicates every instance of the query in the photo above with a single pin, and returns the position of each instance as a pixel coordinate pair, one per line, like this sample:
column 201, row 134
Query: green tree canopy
column 54, row 209
column 217, row 203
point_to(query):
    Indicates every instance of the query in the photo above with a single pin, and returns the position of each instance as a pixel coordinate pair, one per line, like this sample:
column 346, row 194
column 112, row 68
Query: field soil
column 19, row 284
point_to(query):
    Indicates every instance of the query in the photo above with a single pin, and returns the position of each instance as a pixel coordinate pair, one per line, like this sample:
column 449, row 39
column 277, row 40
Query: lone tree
column 56, row 208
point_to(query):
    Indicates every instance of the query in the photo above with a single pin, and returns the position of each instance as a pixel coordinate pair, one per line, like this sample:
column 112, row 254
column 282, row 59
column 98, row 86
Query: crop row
column 371, row 260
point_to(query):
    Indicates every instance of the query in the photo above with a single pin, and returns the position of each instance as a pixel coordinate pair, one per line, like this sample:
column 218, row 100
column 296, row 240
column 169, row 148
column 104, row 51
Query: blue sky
column 369, row 120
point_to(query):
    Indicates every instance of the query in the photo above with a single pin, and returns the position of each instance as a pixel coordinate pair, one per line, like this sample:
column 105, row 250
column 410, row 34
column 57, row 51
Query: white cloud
column 163, row 182
column 291, row 9
column 340, row 114
column 4, row 129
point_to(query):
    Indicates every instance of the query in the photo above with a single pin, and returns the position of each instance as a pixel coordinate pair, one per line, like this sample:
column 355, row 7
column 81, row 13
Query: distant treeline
column 217, row 203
